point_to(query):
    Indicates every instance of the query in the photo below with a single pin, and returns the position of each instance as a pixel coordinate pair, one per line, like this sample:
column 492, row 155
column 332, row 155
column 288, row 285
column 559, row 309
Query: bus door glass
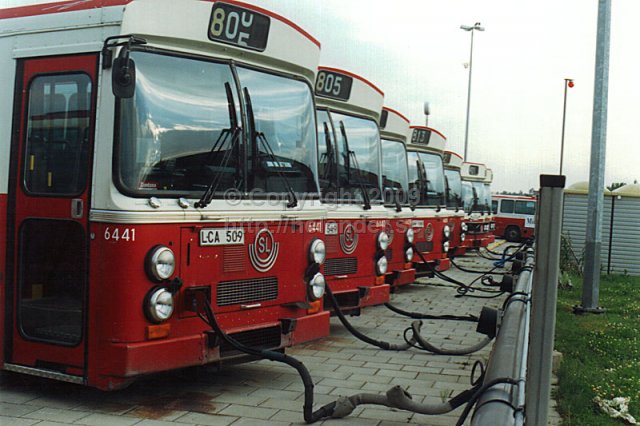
column 50, row 170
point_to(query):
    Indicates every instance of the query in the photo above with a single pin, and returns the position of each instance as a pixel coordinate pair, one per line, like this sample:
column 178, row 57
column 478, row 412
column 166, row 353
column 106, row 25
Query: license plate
column 221, row 236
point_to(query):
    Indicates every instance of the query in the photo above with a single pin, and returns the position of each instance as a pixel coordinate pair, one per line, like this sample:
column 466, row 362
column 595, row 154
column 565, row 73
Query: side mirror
column 123, row 77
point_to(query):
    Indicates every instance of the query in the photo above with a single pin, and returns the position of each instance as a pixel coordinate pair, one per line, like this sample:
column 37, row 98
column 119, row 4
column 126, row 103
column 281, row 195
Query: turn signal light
column 158, row 331
column 315, row 307
column 380, row 280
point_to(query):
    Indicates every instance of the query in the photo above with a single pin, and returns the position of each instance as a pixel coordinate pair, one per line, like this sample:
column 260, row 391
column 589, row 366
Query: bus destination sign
column 420, row 136
column 334, row 85
column 238, row 26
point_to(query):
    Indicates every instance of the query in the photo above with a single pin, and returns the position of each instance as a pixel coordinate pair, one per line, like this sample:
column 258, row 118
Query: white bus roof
column 427, row 139
column 394, row 125
column 452, row 160
column 473, row 171
column 358, row 96
column 488, row 176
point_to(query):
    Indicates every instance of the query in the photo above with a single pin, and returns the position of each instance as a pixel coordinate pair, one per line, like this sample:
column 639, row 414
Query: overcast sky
column 415, row 51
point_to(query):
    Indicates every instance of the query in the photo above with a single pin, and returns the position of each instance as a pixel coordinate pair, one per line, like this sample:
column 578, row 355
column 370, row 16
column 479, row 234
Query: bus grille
column 246, row 291
column 331, row 244
column 341, row 266
column 424, row 246
column 233, row 259
column 263, row 338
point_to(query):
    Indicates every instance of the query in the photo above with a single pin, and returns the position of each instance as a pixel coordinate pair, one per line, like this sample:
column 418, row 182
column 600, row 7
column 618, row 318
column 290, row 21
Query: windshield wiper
column 260, row 136
column 232, row 132
column 329, row 156
column 352, row 155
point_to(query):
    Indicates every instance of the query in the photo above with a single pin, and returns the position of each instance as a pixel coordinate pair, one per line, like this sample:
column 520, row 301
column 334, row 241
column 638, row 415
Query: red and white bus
column 157, row 162
column 515, row 216
column 476, row 197
column 356, row 237
column 452, row 165
column 432, row 223
column 394, row 131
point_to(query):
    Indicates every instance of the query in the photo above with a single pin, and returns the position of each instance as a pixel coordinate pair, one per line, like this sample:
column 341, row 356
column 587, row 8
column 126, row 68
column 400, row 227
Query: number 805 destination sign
column 333, row 85
column 238, row 26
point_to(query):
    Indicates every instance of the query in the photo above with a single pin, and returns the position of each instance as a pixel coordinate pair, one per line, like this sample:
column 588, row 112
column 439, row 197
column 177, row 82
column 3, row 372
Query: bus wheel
column 512, row 234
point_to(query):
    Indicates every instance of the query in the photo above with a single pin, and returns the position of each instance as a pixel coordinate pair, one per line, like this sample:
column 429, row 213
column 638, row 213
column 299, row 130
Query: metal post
column 544, row 299
column 593, row 238
column 466, row 127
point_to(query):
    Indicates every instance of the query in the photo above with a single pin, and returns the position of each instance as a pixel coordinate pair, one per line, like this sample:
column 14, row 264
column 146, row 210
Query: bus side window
column 494, row 206
column 525, row 207
column 506, row 206
column 57, row 132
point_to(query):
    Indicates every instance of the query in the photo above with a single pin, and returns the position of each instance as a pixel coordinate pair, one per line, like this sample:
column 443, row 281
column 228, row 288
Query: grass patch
column 601, row 352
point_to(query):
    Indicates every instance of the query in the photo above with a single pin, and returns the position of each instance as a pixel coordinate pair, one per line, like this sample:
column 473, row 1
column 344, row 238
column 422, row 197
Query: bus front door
column 47, row 289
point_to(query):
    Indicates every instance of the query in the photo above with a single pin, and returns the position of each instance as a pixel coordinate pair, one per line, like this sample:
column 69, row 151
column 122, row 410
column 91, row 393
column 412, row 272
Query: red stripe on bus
column 397, row 113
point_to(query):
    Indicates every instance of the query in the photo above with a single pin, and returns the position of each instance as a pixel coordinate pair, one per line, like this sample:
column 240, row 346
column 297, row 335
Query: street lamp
column 568, row 82
column 475, row 26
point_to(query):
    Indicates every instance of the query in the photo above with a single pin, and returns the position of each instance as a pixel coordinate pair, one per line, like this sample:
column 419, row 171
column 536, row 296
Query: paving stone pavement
column 268, row 393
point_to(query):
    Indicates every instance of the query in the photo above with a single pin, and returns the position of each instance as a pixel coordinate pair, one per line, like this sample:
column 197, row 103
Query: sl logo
column 264, row 251
column 349, row 239
column 428, row 232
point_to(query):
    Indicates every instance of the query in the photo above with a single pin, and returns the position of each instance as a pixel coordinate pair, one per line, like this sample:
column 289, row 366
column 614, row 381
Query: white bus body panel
column 452, row 160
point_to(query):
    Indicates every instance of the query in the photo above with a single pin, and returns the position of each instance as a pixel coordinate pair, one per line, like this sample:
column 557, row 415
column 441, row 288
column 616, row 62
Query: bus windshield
column 468, row 200
column 395, row 178
column 183, row 129
column 435, row 189
column 454, row 188
column 358, row 155
column 483, row 199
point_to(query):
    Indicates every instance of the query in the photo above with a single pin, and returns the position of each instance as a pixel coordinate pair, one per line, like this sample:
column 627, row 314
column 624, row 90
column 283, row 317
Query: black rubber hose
column 382, row 345
column 475, row 271
column 417, row 315
column 310, row 416
column 415, row 327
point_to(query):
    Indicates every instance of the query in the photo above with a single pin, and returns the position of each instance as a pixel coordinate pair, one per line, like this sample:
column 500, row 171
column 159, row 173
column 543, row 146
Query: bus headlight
column 463, row 236
column 446, row 231
column 410, row 235
column 317, row 251
column 317, row 285
column 445, row 246
column 383, row 241
column 159, row 305
column 408, row 254
column 161, row 263
column 381, row 265
column 464, row 226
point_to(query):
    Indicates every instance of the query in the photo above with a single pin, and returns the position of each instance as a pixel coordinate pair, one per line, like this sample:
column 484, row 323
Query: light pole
column 568, row 82
column 475, row 26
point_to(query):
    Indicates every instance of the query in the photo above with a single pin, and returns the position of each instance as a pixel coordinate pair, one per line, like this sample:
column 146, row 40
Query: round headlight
column 161, row 263
column 317, row 251
column 408, row 254
column 463, row 236
column 410, row 235
column 159, row 305
column 383, row 240
column 446, row 231
column 464, row 226
column 381, row 265
column 445, row 246
column 317, row 286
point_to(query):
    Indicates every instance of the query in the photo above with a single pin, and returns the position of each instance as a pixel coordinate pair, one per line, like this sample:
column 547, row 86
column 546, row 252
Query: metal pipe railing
column 502, row 403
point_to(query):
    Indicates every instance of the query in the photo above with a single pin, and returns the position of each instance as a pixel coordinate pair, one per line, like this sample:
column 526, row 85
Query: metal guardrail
column 503, row 404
